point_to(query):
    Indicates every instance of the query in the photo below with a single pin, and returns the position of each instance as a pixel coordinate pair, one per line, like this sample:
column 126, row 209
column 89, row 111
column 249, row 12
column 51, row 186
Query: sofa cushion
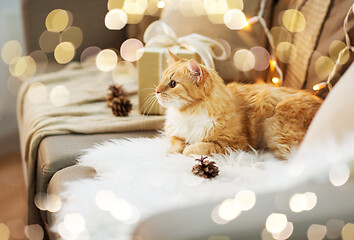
column 320, row 38
column 334, row 120
column 59, row 152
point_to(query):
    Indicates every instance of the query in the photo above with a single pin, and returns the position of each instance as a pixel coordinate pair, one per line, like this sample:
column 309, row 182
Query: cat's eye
column 172, row 84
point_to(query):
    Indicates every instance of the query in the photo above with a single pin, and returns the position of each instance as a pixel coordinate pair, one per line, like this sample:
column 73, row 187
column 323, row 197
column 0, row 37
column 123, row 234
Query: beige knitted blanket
column 40, row 111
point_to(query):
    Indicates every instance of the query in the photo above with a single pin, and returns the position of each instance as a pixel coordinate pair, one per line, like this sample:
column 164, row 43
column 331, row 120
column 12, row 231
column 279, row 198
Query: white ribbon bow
column 159, row 34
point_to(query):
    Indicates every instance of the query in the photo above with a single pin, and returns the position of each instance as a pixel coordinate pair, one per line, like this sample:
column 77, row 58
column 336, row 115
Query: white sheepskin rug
column 136, row 178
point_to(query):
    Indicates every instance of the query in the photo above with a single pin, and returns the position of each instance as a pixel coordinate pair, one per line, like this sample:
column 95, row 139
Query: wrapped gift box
column 151, row 66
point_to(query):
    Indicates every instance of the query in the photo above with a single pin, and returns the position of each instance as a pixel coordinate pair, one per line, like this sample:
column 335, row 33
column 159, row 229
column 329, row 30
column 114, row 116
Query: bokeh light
column 4, row 232
column 132, row 50
column 311, row 200
column 276, row 222
column 339, row 174
column 244, row 60
column 286, row 52
column 11, row 50
column 303, row 202
column 238, row 4
column 17, row 228
column 334, row 49
column 64, row 52
column 34, row 232
column 57, row 20
column 74, row 222
column 65, row 233
column 37, row 92
column 23, row 68
column 152, row 8
column 105, row 199
column 334, row 228
column 116, row 19
column 294, row 20
column 280, row 34
column 198, row 7
column 161, row 4
column 297, row 202
column 59, row 96
column 228, row 210
column 124, row 72
column 316, row 232
column 41, row 60
column 215, row 6
column 245, row 200
column 124, row 211
column 48, row 41
column 73, row 35
column 262, row 58
column 136, row 7
column 115, row 4
column 235, row 19
column 216, row 217
column 186, row 9
column 89, row 55
column 348, row 232
column 286, row 233
column 323, row 67
column 106, row 60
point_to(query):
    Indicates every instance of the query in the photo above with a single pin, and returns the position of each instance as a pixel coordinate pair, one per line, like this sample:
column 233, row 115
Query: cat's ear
column 195, row 70
column 173, row 58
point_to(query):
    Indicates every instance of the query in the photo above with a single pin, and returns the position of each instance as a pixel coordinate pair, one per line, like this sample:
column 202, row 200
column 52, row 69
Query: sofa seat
column 57, row 154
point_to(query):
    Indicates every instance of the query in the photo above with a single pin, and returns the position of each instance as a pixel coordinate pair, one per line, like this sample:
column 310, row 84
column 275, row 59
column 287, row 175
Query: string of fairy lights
column 259, row 18
column 348, row 47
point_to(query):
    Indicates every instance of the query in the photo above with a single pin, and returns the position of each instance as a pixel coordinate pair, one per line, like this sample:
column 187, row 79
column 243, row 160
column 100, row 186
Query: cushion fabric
column 326, row 18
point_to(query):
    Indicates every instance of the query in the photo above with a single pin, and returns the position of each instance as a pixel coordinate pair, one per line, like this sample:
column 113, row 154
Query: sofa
column 55, row 157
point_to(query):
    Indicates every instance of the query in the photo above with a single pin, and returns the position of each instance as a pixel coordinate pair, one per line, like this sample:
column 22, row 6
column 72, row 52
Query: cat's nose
column 157, row 91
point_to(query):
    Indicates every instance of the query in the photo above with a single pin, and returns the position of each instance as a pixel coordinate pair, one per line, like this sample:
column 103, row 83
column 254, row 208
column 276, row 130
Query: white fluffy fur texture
column 141, row 172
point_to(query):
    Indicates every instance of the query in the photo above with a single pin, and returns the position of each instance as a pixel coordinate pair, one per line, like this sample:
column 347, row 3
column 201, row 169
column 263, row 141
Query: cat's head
column 183, row 83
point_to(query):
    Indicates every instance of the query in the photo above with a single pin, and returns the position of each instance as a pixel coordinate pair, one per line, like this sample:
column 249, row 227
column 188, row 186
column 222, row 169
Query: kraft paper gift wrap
column 159, row 38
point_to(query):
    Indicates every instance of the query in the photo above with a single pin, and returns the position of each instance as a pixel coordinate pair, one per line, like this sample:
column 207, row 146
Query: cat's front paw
column 176, row 149
column 196, row 149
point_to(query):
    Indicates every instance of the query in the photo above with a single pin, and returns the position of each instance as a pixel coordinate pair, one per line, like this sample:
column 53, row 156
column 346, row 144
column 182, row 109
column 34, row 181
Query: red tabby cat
column 205, row 116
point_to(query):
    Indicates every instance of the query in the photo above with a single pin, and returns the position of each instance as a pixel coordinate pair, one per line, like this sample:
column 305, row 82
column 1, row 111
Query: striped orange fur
column 204, row 116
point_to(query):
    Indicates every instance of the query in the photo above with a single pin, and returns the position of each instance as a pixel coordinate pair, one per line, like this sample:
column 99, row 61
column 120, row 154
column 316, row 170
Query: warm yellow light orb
column 276, row 222
column 294, row 20
column 235, row 19
column 106, row 60
column 10, row 51
column 64, row 52
column 57, row 20
column 116, row 19
column 161, row 4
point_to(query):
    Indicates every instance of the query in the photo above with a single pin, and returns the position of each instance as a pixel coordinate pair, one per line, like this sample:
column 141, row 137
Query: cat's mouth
column 163, row 99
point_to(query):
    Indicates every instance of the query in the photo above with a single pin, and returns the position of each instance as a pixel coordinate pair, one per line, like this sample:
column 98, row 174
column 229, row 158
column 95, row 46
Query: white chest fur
column 192, row 127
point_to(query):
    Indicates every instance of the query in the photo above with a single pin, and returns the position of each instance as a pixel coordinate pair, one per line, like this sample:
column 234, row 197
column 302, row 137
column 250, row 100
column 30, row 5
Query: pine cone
column 205, row 169
column 121, row 106
column 118, row 100
column 117, row 90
